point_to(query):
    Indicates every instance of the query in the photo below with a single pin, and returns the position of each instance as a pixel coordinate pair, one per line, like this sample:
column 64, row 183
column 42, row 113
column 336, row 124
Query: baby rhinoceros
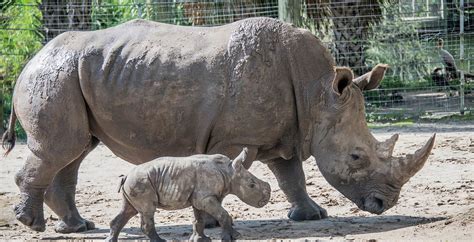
column 200, row 181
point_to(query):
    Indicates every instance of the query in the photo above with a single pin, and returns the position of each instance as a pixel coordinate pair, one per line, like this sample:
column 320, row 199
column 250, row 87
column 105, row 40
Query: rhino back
column 155, row 90
column 153, row 87
column 177, row 180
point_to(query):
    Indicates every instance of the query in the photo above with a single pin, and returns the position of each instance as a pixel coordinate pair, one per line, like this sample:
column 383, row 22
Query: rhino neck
column 312, row 72
column 313, row 98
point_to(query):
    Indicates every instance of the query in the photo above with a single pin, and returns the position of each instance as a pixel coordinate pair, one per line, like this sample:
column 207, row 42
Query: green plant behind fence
column 20, row 39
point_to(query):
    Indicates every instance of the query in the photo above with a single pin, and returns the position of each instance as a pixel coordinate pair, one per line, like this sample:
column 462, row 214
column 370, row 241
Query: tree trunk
column 352, row 21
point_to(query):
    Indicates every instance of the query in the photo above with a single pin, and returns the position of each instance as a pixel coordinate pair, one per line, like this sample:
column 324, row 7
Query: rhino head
column 246, row 186
column 349, row 157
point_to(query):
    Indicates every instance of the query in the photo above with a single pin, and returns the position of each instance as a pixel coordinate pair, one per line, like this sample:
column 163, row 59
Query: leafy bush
column 20, row 39
column 396, row 42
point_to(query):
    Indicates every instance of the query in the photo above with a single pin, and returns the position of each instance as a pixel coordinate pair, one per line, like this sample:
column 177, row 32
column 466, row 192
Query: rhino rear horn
column 385, row 149
column 371, row 79
column 406, row 167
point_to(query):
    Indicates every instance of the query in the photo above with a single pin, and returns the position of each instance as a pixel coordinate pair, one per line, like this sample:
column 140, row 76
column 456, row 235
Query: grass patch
column 456, row 117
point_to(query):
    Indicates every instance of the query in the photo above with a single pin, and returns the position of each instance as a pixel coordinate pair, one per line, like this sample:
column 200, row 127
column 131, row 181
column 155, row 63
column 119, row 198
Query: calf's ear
column 239, row 160
column 342, row 79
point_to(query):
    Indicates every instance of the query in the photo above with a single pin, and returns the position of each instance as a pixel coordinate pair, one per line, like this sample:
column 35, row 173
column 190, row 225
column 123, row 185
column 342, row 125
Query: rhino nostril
column 379, row 203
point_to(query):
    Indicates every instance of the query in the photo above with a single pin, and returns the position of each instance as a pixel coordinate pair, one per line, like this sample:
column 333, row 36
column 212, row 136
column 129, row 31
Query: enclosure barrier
column 360, row 34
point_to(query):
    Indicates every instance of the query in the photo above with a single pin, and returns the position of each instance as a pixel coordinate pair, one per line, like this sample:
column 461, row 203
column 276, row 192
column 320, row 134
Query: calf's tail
column 122, row 181
column 8, row 139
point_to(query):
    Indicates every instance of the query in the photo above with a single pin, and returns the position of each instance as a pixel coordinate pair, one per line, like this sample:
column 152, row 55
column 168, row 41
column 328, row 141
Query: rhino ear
column 372, row 79
column 239, row 160
column 342, row 79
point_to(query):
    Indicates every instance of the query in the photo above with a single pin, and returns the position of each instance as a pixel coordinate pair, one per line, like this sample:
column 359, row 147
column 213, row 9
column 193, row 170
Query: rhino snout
column 373, row 204
column 266, row 193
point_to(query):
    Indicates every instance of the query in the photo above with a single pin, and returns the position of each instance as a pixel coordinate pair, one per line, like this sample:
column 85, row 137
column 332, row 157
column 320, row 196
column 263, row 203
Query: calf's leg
column 116, row 225
column 198, row 227
column 291, row 179
column 148, row 226
column 213, row 207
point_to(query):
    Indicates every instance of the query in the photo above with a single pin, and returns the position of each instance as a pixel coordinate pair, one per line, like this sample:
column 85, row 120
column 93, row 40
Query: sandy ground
column 436, row 204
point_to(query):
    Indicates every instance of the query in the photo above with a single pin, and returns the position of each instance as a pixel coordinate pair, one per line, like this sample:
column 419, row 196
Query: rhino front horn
column 404, row 168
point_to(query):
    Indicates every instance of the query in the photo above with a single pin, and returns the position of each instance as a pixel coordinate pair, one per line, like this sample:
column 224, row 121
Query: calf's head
column 349, row 157
column 246, row 186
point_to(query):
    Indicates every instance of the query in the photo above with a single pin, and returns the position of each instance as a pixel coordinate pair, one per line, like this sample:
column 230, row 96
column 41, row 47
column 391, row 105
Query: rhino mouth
column 262, row 202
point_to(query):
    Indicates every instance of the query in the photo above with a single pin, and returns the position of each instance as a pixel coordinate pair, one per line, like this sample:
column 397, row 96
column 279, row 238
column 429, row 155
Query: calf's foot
column 232, row 235
column 199, row 238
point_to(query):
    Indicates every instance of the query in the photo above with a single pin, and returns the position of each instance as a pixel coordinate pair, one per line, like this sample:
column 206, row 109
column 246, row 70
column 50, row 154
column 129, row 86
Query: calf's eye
column 252, row 185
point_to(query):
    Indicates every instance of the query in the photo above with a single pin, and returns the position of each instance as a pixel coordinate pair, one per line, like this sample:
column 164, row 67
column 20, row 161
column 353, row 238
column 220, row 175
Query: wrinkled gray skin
column 200, row 181
column 148, row 90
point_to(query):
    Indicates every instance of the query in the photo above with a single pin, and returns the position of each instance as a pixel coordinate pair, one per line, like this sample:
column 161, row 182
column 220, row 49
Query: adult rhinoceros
column 147, row 90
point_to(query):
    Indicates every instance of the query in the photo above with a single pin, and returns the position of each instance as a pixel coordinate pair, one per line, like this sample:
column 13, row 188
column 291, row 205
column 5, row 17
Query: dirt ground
column 436, row 204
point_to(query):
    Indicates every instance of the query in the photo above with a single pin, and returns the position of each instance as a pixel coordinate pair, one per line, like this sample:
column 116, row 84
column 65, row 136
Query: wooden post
column 290, row 11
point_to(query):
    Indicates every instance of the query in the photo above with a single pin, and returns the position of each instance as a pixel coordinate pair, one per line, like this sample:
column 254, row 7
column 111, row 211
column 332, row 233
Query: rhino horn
column 239, row 160
column 403, row 168
column 385, row 149
column 372, row 79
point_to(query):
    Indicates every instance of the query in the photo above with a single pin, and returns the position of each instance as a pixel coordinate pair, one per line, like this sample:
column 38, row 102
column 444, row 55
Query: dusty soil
column 436, row 204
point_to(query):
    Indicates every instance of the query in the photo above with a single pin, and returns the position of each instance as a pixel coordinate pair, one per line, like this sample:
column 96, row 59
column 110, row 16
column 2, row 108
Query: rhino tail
column 122, row 181
column 9, row 137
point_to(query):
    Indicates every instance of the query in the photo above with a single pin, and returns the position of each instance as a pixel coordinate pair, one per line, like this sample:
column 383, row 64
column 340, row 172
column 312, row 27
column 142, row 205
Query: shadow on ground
column 269, row 229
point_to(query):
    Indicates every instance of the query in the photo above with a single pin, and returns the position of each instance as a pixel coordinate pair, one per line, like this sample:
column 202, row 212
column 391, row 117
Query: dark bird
column 450, row 69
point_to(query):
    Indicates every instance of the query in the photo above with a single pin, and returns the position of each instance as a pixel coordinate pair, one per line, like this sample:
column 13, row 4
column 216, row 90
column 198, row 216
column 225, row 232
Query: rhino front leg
column 198, row 227
column 291, row 179
column 213, row 207
column 60, row 197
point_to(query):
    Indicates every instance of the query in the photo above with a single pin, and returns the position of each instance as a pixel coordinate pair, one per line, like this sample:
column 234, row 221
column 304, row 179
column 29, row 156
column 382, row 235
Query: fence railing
column 403, row 34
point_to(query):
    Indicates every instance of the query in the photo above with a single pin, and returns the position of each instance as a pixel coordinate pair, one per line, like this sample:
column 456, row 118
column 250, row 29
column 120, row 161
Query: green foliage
column 110, row 13
column 20, row 39
column 396, row 42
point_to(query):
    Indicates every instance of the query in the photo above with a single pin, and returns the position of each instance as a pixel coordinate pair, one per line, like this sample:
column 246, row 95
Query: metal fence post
column 290, row 11
column 461, row 56
column 140, row 10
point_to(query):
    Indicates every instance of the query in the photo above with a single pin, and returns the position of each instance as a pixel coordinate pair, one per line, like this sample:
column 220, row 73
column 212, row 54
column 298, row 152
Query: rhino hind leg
column 291, row 179
column 60, row 196
column 50, row 106
column 117, row 224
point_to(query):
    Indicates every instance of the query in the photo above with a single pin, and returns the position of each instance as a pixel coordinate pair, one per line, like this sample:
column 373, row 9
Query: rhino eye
column 252, row 185
column 355, row 157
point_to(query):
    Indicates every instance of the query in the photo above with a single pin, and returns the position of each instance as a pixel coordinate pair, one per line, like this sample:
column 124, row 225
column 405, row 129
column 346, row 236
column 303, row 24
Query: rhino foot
column 307, row 211
column 233, row 235
column 209, row 221
column 31, row 216
column 82, row 226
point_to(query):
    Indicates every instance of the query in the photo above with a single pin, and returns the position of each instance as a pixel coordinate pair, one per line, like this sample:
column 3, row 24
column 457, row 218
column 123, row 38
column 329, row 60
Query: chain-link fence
column 402, row 33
